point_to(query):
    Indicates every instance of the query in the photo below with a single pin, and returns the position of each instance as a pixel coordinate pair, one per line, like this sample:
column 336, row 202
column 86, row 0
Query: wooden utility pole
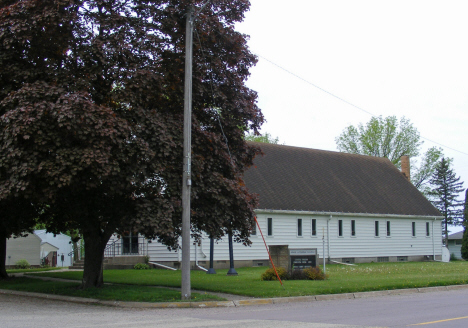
column 186, row 177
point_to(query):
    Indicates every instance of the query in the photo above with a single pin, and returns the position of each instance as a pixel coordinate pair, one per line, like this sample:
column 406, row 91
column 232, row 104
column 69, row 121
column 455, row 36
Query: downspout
column 196, row 258
column 201, row 249
column 433, row 245
column 162, row 266
column 328, row 238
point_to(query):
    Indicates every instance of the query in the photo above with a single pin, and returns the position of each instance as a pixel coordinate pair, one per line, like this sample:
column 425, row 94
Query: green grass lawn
column 128, row 293
column 342, row 279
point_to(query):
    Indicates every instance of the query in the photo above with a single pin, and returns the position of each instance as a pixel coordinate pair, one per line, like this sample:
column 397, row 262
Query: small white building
column 455, row 243
column 60, row 241
column 23, row 248
column 350, row 208
column 37, row 246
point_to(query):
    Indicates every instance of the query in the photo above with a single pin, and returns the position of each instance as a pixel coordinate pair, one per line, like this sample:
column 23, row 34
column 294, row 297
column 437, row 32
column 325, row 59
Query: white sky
column 403, row 58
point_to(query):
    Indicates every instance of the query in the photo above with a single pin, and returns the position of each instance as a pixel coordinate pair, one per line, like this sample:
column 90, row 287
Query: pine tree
column 464, row 247
column 446, row 187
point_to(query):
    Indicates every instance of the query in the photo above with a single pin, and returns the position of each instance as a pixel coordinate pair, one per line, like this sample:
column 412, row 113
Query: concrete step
column 118, row 262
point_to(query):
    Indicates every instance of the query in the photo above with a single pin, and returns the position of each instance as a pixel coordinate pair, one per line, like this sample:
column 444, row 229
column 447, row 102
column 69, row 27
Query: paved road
column 431, row 310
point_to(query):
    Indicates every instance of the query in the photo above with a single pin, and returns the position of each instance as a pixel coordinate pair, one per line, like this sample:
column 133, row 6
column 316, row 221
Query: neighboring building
column 38, row 248
column 454, row 244
column 350, row 208
column 61, row 242
column 24, row 248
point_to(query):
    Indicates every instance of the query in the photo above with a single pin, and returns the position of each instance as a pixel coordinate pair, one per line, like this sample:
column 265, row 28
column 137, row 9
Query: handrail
column 79, row 249
column 116, row 248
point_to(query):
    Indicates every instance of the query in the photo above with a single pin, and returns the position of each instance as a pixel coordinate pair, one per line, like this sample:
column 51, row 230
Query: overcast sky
column 403, row 58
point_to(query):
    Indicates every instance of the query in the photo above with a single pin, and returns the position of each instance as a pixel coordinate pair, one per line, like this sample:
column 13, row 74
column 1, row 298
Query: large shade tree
column 91, row 105
column 388, row 137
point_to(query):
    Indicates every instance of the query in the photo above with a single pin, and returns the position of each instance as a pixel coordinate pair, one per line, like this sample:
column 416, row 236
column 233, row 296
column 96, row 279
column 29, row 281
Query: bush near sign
column 303, row 258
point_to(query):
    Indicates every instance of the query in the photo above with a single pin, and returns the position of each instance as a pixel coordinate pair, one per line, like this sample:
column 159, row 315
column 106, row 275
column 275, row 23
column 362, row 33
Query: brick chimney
column 405, row 166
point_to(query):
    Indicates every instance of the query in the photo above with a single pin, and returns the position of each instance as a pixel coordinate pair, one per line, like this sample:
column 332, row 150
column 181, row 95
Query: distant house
column 24, row 248
column 454, row 244
column 61, row 241
column 38, row 248
column 350, row 208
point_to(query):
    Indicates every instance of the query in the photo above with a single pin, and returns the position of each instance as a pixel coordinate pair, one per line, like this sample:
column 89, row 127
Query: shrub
column 22, row 264
column 141, row 266
column 270, row 274
column 298, row 274
column 315, row 274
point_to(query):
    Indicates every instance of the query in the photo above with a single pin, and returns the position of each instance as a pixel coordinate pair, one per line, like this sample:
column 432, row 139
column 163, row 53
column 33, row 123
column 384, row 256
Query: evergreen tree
column 444, row 194
column 464, row 247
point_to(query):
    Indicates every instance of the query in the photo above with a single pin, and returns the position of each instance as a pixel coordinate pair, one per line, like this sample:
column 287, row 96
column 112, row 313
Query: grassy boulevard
column 144, row 285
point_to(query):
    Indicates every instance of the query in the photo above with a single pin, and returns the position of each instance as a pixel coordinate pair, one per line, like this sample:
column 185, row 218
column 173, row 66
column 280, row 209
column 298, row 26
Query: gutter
column 266, row 211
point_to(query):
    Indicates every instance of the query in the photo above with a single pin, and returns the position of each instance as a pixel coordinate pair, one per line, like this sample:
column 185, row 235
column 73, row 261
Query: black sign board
column 303, row 258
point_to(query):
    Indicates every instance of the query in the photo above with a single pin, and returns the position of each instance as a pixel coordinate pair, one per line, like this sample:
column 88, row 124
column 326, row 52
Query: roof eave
column 373, row 215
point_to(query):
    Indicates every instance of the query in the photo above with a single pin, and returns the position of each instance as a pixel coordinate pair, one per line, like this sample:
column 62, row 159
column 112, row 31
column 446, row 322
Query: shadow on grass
column 125, row 293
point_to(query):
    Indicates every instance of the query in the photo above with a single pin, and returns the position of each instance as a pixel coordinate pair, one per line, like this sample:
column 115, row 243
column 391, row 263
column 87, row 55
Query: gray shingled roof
column 293, row 178
column 456, row 235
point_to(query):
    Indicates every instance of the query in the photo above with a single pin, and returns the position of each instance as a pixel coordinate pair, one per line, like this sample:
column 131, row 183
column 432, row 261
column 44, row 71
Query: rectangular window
column 254, row 229
column 353, row 227
column 299, row 227
column 270, row 226
column 388, row 228
column 376, row 226
column 340, row 228
column 314, row 227
column 428, row 230
column 413, row 229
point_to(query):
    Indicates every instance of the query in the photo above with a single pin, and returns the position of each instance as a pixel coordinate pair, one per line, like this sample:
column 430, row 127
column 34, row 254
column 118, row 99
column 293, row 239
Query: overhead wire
column 345, row 101
column 218, row 116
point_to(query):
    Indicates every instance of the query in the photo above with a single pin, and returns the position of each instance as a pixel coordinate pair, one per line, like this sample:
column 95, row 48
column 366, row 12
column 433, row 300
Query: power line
column 347, row 102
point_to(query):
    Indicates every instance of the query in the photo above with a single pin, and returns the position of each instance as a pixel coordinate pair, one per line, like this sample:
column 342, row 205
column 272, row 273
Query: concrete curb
column 237, row 303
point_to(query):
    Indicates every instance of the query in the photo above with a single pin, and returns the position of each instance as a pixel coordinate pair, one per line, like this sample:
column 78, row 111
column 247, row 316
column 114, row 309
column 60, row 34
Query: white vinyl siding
column 27, row 248
column 364, row 244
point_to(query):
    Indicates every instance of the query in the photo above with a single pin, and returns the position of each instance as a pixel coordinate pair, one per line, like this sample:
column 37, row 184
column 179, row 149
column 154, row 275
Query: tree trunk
column 446, row 233
column 3, row 273
column 94, row 245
